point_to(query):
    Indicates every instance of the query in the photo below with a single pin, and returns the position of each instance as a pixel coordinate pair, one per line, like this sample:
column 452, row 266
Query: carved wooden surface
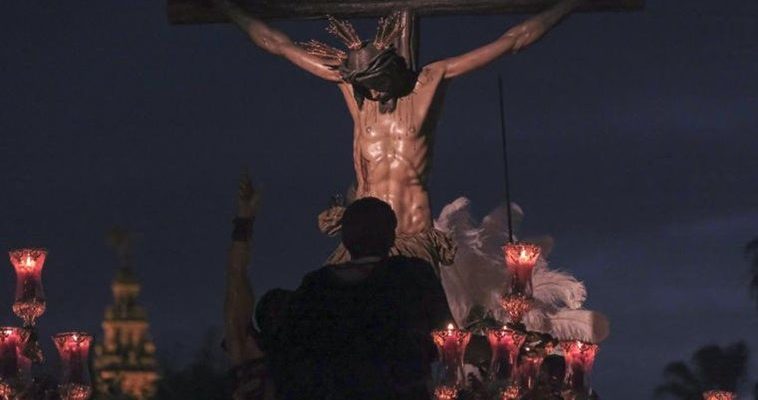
column 202, row 11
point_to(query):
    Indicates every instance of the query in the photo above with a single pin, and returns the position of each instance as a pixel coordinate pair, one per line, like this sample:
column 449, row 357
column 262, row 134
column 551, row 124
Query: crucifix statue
column 393, row 102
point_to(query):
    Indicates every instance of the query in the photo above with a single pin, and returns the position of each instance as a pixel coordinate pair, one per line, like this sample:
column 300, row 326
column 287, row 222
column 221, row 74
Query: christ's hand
column 527, row 33
column 513, row 40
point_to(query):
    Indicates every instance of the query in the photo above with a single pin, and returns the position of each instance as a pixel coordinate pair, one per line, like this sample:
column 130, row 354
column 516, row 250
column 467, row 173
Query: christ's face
column 379, row 75
column 380, row 87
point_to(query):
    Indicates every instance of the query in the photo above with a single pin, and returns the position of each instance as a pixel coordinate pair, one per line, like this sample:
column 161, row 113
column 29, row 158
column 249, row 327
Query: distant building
column 125, row 358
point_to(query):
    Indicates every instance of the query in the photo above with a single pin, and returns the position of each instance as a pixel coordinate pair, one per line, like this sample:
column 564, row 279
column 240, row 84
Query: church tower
column 125, row 358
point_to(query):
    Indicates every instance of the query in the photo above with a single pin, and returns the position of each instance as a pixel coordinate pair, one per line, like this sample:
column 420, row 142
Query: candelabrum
column 19, row 348
column 519, row 368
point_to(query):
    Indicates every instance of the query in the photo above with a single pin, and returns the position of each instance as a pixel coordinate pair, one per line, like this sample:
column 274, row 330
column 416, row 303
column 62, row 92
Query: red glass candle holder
column 529, row 369
column 505, row 344
column 580, row 357
column 11, row 342
column 512, row 392
column 516, row 306
column 719, row 395
column 24, row 367
column 446, row 393
column 451, row 344
column 73, row 348
column 29, row 303
column 520, row 259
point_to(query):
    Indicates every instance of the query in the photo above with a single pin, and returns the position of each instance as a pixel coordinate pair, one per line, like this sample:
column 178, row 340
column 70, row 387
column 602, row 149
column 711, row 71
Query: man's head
column 374, row 69
column 368, row 228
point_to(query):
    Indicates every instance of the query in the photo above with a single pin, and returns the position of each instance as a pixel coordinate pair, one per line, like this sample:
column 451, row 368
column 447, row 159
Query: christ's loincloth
column 432, row 245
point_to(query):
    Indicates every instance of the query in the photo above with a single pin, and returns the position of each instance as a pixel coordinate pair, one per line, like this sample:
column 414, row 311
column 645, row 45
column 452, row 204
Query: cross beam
column 202, row 11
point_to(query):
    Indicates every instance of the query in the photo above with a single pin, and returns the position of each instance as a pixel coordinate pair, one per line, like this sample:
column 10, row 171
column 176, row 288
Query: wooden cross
column 202, row 11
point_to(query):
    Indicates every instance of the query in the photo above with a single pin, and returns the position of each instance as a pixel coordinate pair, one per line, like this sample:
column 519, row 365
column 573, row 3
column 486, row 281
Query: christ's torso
column 392, row 151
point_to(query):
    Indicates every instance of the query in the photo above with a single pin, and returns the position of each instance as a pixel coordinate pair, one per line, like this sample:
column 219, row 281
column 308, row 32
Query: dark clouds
column 633, row 142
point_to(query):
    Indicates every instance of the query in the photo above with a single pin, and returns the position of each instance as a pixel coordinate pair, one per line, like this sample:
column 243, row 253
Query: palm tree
column 711, row 367
column 751, row 251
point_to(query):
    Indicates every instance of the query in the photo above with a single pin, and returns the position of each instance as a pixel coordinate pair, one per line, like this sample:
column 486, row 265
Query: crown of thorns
column 388, row 30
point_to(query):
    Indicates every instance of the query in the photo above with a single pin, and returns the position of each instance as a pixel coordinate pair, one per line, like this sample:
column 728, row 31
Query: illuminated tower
column 125, row 358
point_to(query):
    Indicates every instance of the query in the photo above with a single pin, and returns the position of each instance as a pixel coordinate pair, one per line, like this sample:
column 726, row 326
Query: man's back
column 359, row 339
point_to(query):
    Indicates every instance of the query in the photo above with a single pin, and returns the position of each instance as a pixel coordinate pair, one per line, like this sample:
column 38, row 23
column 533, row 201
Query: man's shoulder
column 413, row 262
column 315, row 277
column 417, row 269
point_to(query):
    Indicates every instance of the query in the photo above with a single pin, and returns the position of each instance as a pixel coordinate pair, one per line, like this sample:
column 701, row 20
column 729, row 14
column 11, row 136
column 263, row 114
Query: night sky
column 633, row 140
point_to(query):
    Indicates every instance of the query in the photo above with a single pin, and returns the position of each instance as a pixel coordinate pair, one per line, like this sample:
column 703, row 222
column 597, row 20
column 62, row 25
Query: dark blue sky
column 634, row 141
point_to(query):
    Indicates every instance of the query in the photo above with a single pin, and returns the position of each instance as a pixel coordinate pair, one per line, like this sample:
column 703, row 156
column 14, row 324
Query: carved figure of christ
column 393, row 127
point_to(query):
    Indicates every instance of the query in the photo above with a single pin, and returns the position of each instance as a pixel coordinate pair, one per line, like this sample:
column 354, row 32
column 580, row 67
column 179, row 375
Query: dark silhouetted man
column 358, row 330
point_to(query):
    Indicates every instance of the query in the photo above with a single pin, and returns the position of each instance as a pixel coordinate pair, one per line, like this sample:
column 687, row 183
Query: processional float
column 537, row 316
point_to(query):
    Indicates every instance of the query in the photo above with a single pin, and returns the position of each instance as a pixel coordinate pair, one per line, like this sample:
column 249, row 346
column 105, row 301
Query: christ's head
column 378, row 75
column 374, row 69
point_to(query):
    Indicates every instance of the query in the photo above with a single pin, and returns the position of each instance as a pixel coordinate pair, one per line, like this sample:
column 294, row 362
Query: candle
column 580, row 357
column 10, row 346
column 10, row 349
column 719, row 395
column 73, row 348
column 520, row 259
column 451, row 344
column 24, row 366
column 29, row 303
column 505, row 344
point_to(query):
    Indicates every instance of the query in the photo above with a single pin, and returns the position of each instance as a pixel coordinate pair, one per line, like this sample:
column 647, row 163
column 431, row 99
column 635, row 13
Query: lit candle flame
column 450, row 327
column 29, row 262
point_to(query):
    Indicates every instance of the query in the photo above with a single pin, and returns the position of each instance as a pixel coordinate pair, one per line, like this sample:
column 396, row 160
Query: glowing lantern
column 516, row 306
column 580, row 357
column 512, row 392
column 529, row 369
column 451, row 344
column 520, row 259
column 11, row 342
column 24, row 366
column 30, row 298
column 446, row 393
column 505, row 344
column 719, row 395
column 73, row 348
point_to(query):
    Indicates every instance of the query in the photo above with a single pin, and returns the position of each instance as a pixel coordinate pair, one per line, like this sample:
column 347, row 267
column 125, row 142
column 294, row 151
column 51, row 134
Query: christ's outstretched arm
column 276, row 42
column 514, row 40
